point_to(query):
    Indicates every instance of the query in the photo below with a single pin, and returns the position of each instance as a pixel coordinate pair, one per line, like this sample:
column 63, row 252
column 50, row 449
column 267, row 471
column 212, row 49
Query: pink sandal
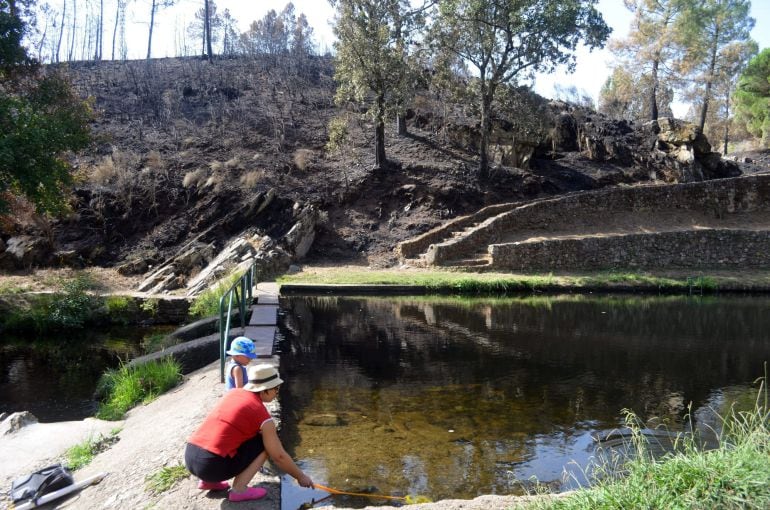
column 213, row 486
column 250, row 494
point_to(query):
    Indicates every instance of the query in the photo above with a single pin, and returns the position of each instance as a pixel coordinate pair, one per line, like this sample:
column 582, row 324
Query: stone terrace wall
column 720, row 197
column 684, row 249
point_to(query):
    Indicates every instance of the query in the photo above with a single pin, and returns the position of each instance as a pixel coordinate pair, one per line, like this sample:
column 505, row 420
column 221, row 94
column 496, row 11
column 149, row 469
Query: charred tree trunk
column 379, row 133
column 654, row 92
column 400, row 124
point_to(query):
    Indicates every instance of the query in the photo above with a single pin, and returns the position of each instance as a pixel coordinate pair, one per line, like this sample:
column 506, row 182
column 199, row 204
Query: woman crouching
column 238, row 436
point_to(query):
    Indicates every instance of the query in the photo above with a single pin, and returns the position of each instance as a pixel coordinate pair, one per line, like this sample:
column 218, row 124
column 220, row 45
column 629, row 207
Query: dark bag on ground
column 44, row 481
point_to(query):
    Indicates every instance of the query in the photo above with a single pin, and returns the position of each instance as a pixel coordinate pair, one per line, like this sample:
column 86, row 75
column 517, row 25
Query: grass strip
column 128, row 386
column 499, row 283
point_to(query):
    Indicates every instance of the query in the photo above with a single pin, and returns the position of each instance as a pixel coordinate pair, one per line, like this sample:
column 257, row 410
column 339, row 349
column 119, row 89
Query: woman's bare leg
column 242, row 479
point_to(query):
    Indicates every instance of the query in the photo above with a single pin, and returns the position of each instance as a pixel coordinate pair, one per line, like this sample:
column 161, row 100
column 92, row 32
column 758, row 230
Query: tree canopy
column 752, row 97
column 40, row 120
column 506, row 41
column 371, row 57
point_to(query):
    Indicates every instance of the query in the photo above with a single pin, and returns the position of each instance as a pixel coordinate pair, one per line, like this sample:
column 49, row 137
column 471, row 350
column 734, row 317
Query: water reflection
column 453, row 398
column 55, row 376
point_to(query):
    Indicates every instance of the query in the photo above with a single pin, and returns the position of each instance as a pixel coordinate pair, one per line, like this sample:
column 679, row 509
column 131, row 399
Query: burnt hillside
column 184, row 145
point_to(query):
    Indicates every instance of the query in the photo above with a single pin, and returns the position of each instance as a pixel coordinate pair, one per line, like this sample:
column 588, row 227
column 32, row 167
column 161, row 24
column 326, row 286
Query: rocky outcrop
column 199, row 265
column 669, row 150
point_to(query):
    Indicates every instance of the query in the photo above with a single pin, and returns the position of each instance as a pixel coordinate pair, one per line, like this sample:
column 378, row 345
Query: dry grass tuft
column 214, row 182
column 194, row 178
column 234, row 162
column 251, row 179
column 303, row 158
column 154, row 161
column 216, row 166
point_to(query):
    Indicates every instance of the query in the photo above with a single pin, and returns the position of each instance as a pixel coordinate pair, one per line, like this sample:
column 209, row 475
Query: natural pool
column 453, row 398
column 54, row 375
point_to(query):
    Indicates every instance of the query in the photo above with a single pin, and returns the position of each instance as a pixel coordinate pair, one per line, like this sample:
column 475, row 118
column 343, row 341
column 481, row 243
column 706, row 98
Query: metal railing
column 240, row 294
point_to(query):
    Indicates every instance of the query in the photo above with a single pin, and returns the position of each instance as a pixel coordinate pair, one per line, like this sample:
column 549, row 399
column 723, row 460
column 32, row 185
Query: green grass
column 129, row 386
column 499, row 283
column 166, row 478
column 83, row 453
column 206, row 304
column 736, row 475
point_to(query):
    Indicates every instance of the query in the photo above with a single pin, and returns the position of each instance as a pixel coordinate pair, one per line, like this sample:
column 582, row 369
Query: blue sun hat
column 242, row 346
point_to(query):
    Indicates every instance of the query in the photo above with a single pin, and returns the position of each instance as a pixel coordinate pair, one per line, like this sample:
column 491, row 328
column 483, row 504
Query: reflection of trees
column 500, row 372
column 55, row 376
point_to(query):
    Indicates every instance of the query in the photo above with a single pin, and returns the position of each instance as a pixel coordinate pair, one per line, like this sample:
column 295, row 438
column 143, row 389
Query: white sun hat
column 262, row 377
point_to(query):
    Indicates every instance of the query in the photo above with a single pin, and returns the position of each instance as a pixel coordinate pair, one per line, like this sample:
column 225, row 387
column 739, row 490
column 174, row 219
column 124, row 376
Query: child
column 241, row 353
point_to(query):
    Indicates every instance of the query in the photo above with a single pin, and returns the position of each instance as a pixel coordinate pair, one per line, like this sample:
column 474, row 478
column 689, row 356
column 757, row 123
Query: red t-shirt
column 238, row 416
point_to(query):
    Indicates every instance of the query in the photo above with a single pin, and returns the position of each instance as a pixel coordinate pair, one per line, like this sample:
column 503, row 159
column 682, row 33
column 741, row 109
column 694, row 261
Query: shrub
column 206, row 304
column 128, row 386
column 74, row 307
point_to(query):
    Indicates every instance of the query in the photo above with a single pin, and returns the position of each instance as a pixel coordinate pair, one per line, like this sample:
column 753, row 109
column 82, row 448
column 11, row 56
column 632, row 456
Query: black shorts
column 211, row 467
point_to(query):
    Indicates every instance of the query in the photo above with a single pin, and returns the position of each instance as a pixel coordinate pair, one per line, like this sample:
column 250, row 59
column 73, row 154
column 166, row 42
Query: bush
column 72, row 309
column 206, row 304
column 128, row 386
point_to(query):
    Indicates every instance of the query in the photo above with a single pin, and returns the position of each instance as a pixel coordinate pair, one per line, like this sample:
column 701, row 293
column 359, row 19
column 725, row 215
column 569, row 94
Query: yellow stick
column 337, row 491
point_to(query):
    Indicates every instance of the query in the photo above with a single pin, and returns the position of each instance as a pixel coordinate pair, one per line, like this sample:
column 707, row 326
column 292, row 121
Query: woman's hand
column 304, row 481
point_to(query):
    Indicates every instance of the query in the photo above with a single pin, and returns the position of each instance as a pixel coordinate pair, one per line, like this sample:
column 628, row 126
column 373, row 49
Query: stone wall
column 692, row 249
column 720, row 198
column 414, row 247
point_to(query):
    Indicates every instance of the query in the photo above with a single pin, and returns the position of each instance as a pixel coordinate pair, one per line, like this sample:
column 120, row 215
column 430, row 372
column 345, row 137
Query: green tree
column 504, row 41
column 752, row 97
column 650, row 47
column 709, row 29
column 41, row 119
column 370, row 64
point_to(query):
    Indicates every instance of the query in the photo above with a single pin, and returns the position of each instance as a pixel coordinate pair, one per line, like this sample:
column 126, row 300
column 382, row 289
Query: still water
column 54, row 376
column 453, row 398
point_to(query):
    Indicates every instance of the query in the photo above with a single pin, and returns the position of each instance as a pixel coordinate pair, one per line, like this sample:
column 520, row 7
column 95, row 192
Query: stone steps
column 629, row 222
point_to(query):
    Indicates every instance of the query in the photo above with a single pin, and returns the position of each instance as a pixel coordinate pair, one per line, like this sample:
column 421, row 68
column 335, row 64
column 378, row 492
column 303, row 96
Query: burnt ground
column 182, row 145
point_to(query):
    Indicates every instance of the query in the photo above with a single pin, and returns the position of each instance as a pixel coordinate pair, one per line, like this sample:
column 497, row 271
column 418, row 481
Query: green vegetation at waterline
column 83, row 453
column 74, row 306
column 130, row 385
column 163, row 480
column 734, row 475
column 437, row 281
column 206, row 304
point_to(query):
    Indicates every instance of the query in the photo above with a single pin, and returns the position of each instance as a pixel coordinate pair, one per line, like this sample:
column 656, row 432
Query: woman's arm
column 279, row 456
